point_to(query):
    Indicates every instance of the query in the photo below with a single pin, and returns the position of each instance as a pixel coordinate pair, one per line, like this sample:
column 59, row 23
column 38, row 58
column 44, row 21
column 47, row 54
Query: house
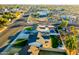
column 50, row 26
column 52, row 20
column 43, row 13
column 63, row 17
column 42, row 28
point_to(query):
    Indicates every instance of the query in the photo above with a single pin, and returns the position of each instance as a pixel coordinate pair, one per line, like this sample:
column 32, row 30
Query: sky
column 57, row 2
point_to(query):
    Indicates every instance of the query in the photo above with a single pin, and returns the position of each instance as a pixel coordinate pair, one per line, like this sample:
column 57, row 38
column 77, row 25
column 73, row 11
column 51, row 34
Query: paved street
column 12, row 30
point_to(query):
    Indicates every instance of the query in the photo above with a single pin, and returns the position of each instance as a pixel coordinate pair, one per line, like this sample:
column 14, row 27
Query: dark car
column 26, row 15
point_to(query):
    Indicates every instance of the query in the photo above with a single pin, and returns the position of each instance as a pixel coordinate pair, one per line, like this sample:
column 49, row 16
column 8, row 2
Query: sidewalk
column 6, row 43
column 2, row 29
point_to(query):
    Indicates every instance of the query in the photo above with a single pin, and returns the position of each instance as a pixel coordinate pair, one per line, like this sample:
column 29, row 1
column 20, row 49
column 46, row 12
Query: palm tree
column 3, row 22
column 9, row 16
column 73, row 30
column 71, row 44
column 64, row 23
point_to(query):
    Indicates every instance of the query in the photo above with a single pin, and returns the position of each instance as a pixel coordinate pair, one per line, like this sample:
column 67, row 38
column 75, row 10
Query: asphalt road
column 12, row 30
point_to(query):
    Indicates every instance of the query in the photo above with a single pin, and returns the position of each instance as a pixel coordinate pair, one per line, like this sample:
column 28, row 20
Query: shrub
column 28, row 28
column 71, row 42
column 54, row 40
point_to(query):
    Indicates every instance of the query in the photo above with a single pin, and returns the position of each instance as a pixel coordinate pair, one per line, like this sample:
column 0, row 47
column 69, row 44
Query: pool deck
column 35, row 50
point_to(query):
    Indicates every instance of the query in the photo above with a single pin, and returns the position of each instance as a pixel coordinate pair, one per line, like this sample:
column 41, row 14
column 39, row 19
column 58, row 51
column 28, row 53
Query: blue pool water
column 46, row 37
column 33, row 37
